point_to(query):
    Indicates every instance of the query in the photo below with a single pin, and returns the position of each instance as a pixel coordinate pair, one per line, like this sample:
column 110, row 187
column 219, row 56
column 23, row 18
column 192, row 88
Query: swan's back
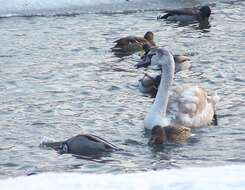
column 190, row 106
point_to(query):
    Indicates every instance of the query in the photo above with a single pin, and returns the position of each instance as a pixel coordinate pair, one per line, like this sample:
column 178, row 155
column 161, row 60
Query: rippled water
column 58, row 78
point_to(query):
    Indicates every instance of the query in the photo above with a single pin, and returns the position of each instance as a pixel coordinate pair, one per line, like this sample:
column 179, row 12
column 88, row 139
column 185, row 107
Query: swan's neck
column 159, row 106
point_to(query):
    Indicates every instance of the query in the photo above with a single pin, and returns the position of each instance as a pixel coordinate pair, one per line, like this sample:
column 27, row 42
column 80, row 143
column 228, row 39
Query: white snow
column 211, row 178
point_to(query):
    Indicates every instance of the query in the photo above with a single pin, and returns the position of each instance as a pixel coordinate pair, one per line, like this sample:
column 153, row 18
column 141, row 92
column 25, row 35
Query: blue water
column 58, row 78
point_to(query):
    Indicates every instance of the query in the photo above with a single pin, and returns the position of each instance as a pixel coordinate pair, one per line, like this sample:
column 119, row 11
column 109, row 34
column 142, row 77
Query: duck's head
column 205, row 11
column 149, row 36
column 178, row 133
column 155, row 57
column 158, row 135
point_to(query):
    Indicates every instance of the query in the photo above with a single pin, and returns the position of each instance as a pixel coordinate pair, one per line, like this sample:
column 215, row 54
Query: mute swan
column 188, row 105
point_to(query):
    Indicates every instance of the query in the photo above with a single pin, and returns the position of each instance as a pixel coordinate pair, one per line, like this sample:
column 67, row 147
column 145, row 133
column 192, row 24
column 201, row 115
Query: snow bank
column 49, row 7
column 214, row 178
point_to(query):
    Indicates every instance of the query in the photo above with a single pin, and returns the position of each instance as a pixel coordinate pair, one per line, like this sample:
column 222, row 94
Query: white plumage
column 186, row 105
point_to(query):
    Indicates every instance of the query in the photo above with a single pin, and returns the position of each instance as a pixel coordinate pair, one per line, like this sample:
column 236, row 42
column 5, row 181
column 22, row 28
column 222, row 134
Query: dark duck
column 200, row 14
column 131, row 44
column 83, row 144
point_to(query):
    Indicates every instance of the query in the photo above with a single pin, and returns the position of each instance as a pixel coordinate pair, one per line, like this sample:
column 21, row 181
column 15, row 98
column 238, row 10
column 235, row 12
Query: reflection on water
column 59, row 79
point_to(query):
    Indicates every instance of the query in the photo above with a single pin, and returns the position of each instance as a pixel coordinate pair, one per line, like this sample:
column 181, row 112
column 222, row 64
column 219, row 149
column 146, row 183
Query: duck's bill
column 142, row 54
column 144, row 62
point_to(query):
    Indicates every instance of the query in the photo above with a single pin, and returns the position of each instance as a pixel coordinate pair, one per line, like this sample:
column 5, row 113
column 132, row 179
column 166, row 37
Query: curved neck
column 159, row 106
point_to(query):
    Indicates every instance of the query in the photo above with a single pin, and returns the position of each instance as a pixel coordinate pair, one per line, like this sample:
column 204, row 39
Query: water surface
column 58, row 78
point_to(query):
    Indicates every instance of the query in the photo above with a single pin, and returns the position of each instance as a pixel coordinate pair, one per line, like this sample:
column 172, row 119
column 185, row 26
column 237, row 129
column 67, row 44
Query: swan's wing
column 213, row 98
column 190, row 106
column 190, row 99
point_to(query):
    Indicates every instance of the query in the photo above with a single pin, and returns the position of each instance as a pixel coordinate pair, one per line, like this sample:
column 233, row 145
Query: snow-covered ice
column 210, row 178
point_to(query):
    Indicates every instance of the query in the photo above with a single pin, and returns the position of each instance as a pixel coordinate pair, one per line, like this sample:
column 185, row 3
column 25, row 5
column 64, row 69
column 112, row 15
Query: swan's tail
column 213, row 98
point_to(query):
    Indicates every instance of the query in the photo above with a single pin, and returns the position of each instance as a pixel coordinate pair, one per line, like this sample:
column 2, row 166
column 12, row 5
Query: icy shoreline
column 52, row 7
column 213, row 178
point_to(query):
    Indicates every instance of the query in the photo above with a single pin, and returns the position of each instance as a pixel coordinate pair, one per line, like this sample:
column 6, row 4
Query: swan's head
column 205, row 11
column 158, row 135
column 155, row 57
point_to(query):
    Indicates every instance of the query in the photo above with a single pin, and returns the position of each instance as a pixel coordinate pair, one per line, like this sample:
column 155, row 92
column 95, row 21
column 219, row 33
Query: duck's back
column 88, row 145
column 132, row 43
column 183, row 11
column 182, row 15
column 126, row 40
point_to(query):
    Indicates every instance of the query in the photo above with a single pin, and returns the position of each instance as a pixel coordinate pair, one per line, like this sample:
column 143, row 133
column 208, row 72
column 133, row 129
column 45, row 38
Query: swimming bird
column 131, row 44
column 149, row 84
column 200, row 14
column 83, row 144
column 187, row 105
column 160, row 135
column 182, row 62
